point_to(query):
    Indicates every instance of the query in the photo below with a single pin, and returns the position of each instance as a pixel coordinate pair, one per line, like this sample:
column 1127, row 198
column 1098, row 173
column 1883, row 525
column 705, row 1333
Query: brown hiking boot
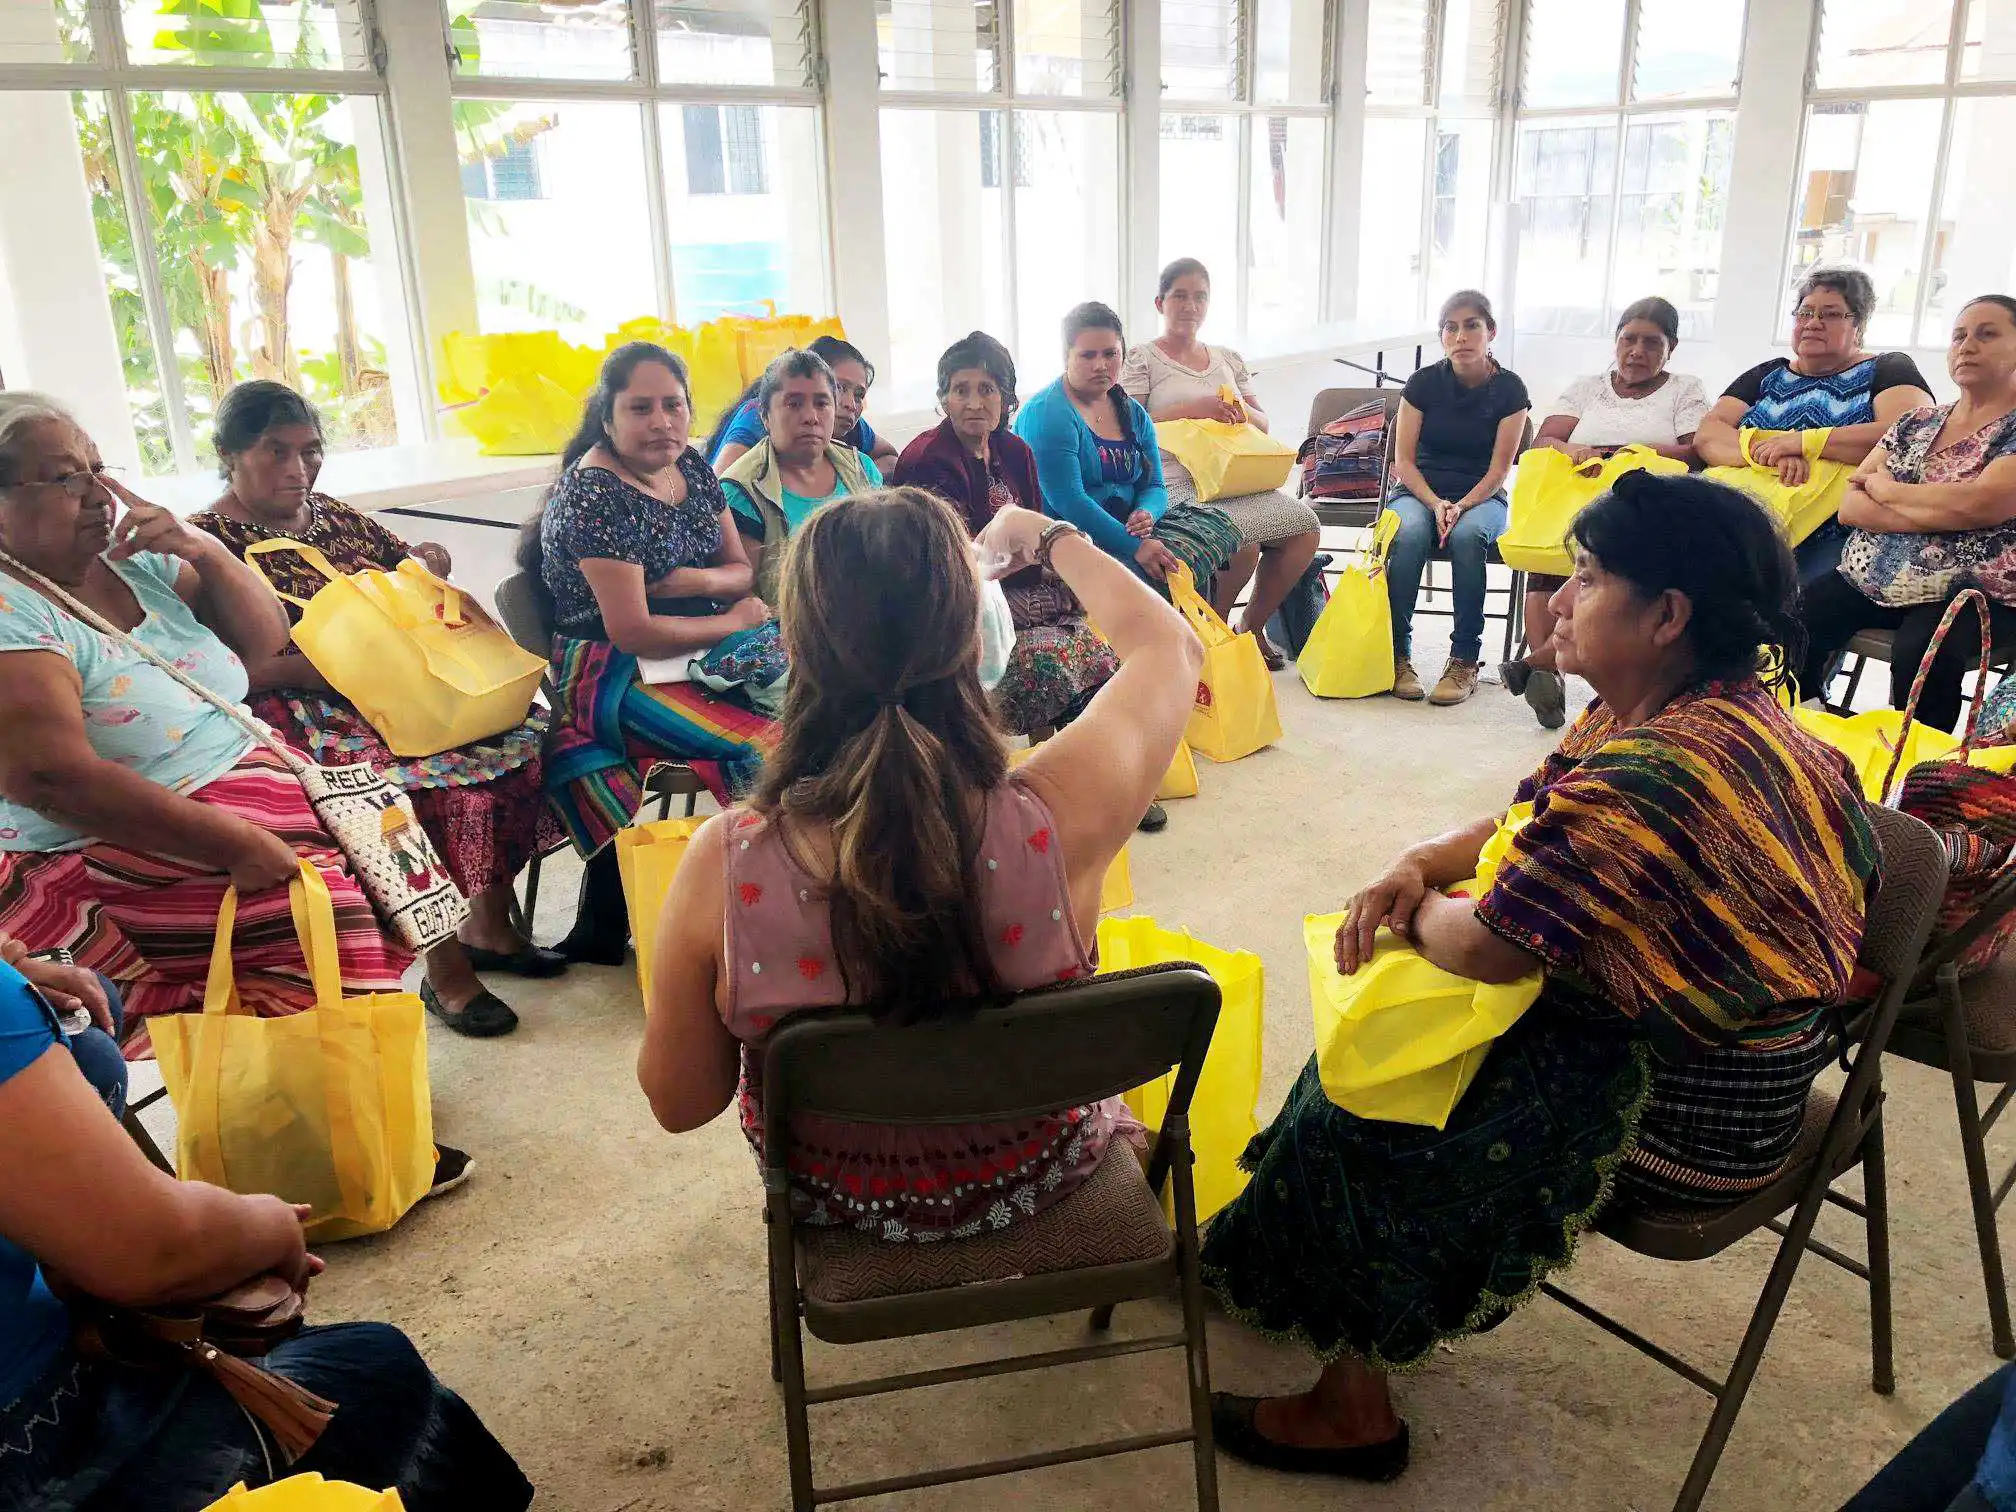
column 1406, row 683
column 1459, row 681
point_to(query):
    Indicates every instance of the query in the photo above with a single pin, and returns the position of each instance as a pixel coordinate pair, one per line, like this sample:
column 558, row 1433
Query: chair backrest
column 1330, row 403
column 1057, row 1047
column 521, row 607
column 1911, row 884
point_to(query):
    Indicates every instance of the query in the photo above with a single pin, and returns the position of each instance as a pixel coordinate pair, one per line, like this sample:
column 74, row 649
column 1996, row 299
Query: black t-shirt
column 1459, row 426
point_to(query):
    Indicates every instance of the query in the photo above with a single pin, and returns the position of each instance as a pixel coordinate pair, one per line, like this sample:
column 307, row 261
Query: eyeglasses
column 77, row 484
column 1804, row 316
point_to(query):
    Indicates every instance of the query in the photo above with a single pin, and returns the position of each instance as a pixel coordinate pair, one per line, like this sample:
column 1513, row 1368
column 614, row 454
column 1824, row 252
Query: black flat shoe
column 1155, row 820
column 532, row 961
column 485, row 1016
column 1233, row 1429
column 594, row 950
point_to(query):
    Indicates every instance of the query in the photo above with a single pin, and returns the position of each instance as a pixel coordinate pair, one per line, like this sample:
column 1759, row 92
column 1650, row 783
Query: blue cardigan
column 1067, row 466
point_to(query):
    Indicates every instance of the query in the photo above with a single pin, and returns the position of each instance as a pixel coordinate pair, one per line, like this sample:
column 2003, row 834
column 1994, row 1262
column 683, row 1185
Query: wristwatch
column 1046, row 543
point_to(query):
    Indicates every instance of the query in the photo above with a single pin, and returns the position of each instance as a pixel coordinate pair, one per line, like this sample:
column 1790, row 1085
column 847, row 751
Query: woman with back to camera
column 638, row 558
column 1178, row 377
column 742, row 427
column 1636, row 403
column 1691, row 886
column 891, row 860
column 1458, row 430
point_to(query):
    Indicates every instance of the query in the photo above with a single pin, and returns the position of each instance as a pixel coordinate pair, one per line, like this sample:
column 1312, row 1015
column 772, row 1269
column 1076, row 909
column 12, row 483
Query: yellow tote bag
column 1180, row 781
column 1234, row 714
column 1221, row 1110
column 417, row 656
column 330, row 1107
column 647, row 855
column 1225, row 459
column 1801, row 510
column 1548, row 491
column 307, row 1493
column 1349, row 653
column 1869, row 740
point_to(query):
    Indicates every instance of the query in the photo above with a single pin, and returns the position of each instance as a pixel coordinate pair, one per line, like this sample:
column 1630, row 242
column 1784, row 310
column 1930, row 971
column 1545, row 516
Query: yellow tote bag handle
column 314, row 926
column 1193, row 606
column 220, row 991
column 307, row 553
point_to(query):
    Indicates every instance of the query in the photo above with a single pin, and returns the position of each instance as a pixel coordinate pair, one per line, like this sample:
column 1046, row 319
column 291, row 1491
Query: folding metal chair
column 1880, row 645
column 1838, row 1134
column 1105, row 1243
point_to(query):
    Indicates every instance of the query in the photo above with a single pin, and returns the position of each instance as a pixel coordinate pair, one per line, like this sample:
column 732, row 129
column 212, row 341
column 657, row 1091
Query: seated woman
column 888, row 855
column 796, row 467
column 1636, row 403
column 1932, row 513
column 79, row 1206
column 636, row 553
column 482, row 805
column 1692, row 885
column 1177, row 377
column 977, row 465
column 1828, row 383
column 127, row 804
column 1100, row 468
column 1460, row 425
column 741, row 425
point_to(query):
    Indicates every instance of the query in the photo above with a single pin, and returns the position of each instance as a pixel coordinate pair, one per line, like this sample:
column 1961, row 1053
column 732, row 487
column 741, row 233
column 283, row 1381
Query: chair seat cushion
column 1113, row 1219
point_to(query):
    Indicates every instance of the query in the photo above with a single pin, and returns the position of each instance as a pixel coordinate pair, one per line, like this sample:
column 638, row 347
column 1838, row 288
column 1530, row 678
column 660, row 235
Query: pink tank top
column 911, row 1181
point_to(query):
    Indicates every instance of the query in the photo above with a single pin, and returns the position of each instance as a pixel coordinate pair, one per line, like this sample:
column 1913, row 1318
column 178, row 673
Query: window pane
column 1462, row 208
column 1566, row 175
column 938, row 44
column 1200, row 49
column 280, row 269
column 527, row 39
column 1067, row 47
column 1288, row 53
column 1389, row 221
column 1974, row 248
column 1990, row 50
column 1865, row 42
column 944, row 239
column 1396, row 51
column 744, row 210
column 1866, row 181
column 1669, row 214
column 760, row 42
column 1473, row 34
column 1686, row 48
column 116, row 250
column 1285, row 225
column 1200, row 184
column 1574, row 49
column 301, row 34
column 1067, row 228
column 39, row 31
column 578, row 180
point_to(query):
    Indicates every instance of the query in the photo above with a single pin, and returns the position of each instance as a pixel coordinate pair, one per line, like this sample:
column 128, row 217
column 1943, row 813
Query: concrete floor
column 597, row 1290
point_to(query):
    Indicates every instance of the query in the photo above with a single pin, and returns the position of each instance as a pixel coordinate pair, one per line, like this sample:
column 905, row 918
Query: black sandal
column 485, row 1016
column 532, row 961
column 1234, row 1431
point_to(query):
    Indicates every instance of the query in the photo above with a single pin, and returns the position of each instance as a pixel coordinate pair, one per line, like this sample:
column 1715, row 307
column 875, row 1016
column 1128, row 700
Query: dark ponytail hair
column 887, row 739
column 1718, row 547
column 618, row 368
column 1657, row 311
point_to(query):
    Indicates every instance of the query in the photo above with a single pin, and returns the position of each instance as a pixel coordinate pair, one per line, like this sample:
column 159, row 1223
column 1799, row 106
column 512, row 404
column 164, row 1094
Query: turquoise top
column 33, row 1324
column 134, row 713
column 1090, row 481
column 797, row 507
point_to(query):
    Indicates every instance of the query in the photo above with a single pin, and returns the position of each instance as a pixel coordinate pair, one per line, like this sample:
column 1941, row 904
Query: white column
column 854, row 173
column 56, row 330
column 1347, row 158
column 1141, row 157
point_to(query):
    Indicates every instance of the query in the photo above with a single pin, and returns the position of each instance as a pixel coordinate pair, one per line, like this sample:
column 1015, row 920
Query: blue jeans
column 97, row 1053
column 93, row 1437
column 1469, row 548
column 1961, row 1459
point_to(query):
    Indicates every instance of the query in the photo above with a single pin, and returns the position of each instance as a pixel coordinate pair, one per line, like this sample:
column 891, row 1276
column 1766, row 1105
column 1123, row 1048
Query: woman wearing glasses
column 1829, row 382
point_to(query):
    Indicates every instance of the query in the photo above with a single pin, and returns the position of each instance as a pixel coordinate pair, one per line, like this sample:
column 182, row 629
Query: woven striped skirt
column 1203, row 538
column 148, row 921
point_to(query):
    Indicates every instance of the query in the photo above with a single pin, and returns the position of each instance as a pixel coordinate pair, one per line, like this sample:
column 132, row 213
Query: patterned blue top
column 1781, row 399
column 593, row 513
column 33, row 1324
column 1120, row 461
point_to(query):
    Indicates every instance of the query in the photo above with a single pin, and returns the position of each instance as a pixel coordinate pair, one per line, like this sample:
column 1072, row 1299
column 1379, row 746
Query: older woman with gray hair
column 1828, row 383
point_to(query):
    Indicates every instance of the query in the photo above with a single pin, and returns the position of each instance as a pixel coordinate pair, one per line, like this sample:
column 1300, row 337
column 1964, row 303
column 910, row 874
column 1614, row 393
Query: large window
column 589, row 206
column 1244, row 150
column 1905, row 185
column 1001, row 189
column 1432, row 75
column 244, row 232
column 1626, row 121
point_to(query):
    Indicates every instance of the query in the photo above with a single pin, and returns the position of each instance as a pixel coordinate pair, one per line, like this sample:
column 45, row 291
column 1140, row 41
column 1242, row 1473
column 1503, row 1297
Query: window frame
column 1949, row 92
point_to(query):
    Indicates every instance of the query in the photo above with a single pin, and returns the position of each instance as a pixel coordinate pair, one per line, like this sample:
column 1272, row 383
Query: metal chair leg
column 1876, row 1204
column 692, row 803
column 1973, row 1151
column 137, row 1131
column 1196, row 1358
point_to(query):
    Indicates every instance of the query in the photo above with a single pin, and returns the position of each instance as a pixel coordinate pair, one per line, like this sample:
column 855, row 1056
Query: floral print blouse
column 1899, row 569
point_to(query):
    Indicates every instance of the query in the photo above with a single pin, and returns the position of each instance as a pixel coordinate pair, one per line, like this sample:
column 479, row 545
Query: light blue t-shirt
column 134, row 713
column 33, row 1324
column 797, row 507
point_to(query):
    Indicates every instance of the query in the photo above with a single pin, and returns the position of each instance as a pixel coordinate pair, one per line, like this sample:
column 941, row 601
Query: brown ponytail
column 888, row 741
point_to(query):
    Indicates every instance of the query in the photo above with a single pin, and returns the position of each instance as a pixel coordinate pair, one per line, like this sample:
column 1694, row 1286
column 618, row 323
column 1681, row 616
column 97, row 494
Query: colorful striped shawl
column 1705, row 870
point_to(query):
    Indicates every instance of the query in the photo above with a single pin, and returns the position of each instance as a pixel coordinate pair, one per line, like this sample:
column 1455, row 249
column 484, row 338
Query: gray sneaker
column 1547, row 697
